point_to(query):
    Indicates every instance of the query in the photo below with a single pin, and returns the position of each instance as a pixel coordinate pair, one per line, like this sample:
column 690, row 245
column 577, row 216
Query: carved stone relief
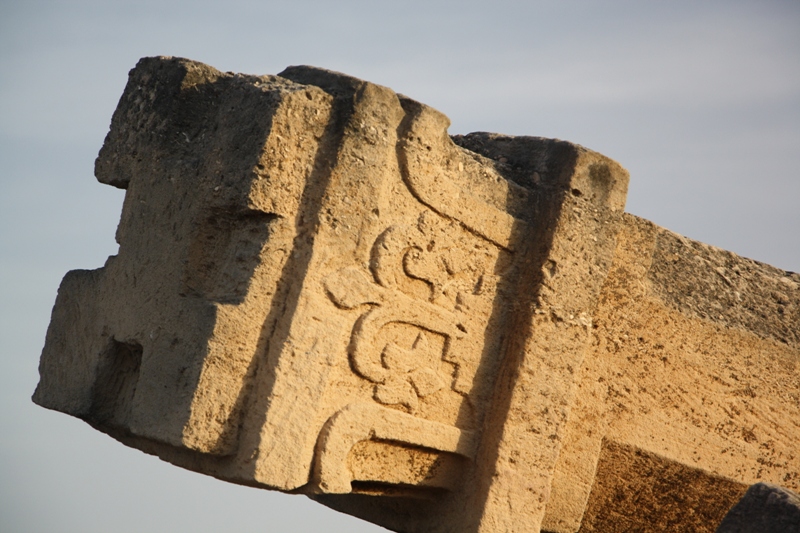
column 319, row 291
column 424, row 308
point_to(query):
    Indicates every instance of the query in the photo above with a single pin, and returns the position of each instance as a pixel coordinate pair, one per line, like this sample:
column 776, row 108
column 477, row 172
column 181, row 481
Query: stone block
column 319, row 291
column 765, row 508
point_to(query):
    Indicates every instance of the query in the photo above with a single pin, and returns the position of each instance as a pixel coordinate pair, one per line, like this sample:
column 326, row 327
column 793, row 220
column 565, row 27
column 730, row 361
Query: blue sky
column 700, row 101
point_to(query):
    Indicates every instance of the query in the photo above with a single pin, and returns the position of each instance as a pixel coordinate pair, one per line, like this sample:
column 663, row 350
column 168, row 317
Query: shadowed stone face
column 765, row 508
column 318, row 290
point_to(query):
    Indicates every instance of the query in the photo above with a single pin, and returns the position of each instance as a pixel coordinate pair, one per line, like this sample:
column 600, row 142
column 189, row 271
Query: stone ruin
column 319, row 291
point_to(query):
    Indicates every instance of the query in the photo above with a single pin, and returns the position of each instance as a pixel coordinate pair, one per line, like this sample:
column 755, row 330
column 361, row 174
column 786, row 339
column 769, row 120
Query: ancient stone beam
column 319, row 291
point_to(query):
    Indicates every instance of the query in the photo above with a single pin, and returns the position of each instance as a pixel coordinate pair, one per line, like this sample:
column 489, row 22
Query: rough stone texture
column 765, row 508
column 683, row 367
column 639, row 491
column 319, row 291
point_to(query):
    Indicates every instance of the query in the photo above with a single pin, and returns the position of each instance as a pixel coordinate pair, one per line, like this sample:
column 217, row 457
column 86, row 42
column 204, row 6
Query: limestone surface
column 319, row 291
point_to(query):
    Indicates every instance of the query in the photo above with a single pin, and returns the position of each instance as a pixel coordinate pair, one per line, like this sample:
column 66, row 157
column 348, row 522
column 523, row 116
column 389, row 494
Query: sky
column 699, row 100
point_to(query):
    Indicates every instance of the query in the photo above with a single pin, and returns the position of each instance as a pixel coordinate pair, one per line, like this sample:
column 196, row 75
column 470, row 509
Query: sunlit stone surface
column 318, row 290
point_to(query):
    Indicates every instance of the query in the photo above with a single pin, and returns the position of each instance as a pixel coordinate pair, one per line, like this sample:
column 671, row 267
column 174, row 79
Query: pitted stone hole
column 115, row 384
column 550, row 268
